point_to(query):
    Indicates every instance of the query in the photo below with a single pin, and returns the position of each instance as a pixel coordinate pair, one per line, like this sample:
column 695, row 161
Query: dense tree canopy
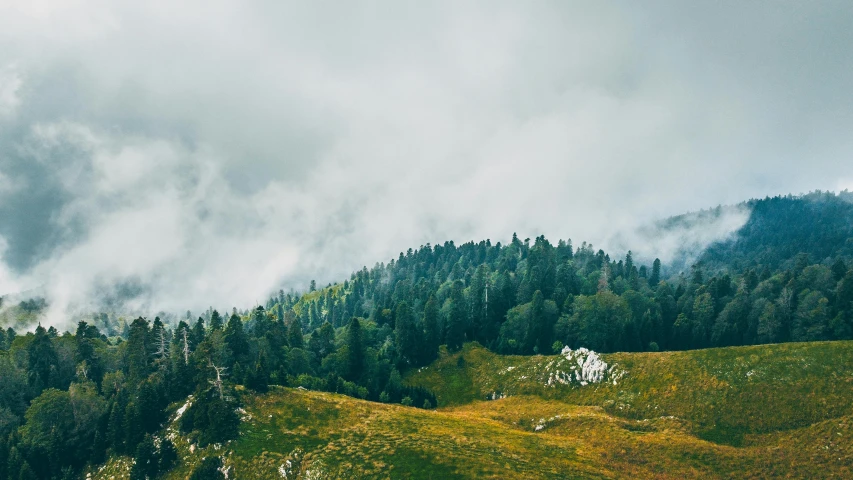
column 71, row 399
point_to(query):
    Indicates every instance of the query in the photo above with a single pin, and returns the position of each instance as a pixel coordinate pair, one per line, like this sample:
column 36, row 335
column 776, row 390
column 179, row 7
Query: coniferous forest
column 74, row 398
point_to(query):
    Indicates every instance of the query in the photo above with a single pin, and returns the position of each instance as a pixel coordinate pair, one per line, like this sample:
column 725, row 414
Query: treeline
column 526, row 299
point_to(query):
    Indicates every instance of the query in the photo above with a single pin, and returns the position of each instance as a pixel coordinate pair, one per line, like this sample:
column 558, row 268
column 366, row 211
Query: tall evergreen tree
column 355, row 351
column 477, row 304
column 198, row 331
column 138, row 350
column 295, row 336
column 42, row 361
column 455, row 335
column 406, row 335
column 432, row 331
column 654, row 278
column 235, row 337
column 215, row 321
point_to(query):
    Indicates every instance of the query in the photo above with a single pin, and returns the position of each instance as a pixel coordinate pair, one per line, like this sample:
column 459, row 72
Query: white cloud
column 10, row 83
column 8, row 281
column 208, row 152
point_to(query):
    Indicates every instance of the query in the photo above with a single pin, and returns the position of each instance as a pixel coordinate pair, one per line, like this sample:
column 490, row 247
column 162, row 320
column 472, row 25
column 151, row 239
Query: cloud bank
column 204, row 153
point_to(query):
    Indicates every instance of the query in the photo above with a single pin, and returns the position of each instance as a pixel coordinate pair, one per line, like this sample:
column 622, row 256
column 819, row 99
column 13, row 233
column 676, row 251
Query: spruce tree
column 432, row 331
column 138, row 350
column 215, row 321
column 355, row 351
column 654, row 278
column 406, row 336
column 477, row 303
column 235, row 336
column 198, row 331
column 537, row 323
column 455, row 335
column 294, row 334
column 42, row 360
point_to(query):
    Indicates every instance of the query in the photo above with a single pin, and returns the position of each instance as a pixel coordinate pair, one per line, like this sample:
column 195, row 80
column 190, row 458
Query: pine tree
column 134, row 426
column 355, row 353
column 536, row 338
column 235, row 337
column 198, row 332
column 15, row 462
column 137, row 350
column 42, row 360
column 654, row 278
column 477, row 303
column 85, row 352
column 27, row 472
column 406, row 335
column 455, row 335
column 115, row 425
column 215, row 321
column 261, row 323
column 10, row 337
column 432, row 331
column 294, row 334
column 258, row 377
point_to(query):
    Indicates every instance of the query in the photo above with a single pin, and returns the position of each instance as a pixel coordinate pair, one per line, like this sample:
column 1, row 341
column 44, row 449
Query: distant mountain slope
column 819, row 224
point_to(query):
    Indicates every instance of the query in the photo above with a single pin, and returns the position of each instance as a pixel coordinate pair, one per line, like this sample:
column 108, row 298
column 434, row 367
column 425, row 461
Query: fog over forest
column 184, row 155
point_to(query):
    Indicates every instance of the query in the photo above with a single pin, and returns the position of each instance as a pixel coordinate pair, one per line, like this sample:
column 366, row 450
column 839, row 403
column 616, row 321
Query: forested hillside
column 819, row 224
column 71, row 399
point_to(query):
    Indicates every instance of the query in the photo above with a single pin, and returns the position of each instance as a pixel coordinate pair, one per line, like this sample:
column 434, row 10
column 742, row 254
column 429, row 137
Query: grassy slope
column 790, row 417
column 725, row 394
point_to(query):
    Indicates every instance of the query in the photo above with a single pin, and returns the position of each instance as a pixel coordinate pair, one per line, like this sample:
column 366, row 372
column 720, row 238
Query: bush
column 208, row 470
column 145, row 463
column 168, row 455
column 215, row 419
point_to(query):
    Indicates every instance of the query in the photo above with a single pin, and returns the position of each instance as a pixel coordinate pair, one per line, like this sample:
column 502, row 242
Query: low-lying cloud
column 178, row 156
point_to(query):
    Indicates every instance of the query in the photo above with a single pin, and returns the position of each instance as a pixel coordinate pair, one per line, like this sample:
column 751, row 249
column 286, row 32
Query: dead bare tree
column 186, row 349
column 162, row 352
column 219, row 374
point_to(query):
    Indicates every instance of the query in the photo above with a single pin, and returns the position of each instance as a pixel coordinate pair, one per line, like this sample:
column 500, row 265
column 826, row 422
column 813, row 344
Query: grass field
column 747, row 412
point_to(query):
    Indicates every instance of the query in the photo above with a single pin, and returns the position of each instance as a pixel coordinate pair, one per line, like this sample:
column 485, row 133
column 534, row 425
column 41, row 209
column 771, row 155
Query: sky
column 180, row 155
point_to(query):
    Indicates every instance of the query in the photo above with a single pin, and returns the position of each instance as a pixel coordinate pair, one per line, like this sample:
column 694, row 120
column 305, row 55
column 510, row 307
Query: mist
column 204, row 154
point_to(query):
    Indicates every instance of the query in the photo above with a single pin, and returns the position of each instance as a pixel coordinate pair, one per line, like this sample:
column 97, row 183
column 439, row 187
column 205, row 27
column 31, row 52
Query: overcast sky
column 205, row 153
